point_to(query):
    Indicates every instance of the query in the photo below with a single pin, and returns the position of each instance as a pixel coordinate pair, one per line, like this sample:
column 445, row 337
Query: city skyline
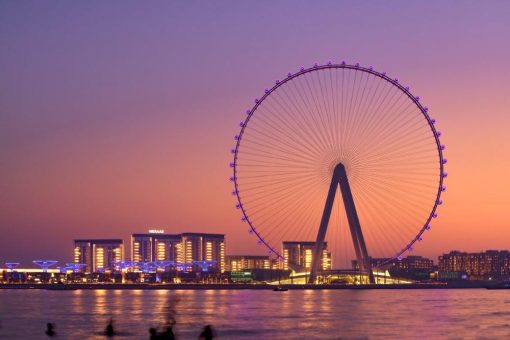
column 102, row 134
column 156, row 234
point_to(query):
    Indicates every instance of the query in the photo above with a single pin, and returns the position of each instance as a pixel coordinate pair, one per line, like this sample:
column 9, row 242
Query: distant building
column 154, row 246
column 98, row 255
column 198, row 247
column 190, row 251
column 414, row 262
column 491, row 264
column 244, row 262
column 298, row 255
column 408, row 263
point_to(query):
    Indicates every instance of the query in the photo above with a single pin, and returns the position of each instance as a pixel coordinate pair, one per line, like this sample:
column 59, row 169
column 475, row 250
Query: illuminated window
column 189, row 252
column 136, row 251
column 99, row 257
column 208, row 251
column 180, row 257
column 161, row 251
column 77, row 255
column 222, row 257
column 118, row 254
column 267, row 265
column 308, row 258
column 285, row 259
column 326, row 260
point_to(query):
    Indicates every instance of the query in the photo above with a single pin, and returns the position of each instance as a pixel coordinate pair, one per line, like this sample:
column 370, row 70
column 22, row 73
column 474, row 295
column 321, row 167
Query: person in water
column 108, row 331
column 50, row 330
column 207, row 333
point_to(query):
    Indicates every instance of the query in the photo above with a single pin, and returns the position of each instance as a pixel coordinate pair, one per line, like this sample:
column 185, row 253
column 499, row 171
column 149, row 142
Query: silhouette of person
column 50, row 330
column 168, row 334
column 207, row 333
column 153, row 333
column 108, row 331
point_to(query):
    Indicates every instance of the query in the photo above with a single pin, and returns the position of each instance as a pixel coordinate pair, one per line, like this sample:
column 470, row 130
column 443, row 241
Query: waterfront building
column 412, row 262
column 297, row 255
column 156, row 246
column 491, row 264
column 244, row 262
column 205, row 248
column 98, row 255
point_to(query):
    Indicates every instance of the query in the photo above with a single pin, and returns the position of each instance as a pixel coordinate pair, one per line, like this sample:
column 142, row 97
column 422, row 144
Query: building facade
column 156, row 247
column 98, row 255
column 187, row 251
column 245, row 262
column 491, row 264
column 408, row 263
column 298, row 255
column 199, row 247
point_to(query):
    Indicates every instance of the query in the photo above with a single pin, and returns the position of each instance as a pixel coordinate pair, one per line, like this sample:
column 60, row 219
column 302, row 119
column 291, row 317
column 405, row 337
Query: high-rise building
column 156, row 246
column 198, row 247
column 244, row 262
column 297, row 255
column 491, row 264
column 98, row 255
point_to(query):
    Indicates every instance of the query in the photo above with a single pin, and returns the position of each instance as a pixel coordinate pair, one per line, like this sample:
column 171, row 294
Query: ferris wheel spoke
column 302, row 136
column 354, row 109
column 322, row 124
column 301, row 91
column 360, row 115
column 300, row 121
column 389, row 99
column 280, row 146
column 389, row 219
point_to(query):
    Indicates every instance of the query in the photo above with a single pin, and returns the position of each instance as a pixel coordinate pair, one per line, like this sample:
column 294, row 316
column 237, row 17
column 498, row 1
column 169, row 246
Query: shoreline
column 235, row 286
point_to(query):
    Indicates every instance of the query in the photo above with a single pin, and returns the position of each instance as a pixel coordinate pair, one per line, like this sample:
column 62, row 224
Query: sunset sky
column 119, row 116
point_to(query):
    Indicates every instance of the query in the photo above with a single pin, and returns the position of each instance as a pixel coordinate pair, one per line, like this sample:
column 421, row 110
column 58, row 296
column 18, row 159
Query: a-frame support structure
column 340, row 178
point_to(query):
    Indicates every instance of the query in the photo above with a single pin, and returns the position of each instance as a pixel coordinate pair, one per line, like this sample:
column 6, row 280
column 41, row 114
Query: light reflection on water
column 254, row 314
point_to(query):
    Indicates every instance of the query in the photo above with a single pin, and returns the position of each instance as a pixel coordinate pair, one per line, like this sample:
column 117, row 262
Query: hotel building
column 156, row 246
column 186, row 249
column 204, row 247
column 98, row 255
column 297, row 255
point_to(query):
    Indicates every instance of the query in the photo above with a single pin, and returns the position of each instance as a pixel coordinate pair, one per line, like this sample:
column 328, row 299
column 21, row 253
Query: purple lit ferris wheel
column 342, row 156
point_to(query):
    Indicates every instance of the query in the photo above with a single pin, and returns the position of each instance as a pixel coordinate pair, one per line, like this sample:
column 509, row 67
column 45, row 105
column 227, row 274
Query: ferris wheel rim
column 357, row 67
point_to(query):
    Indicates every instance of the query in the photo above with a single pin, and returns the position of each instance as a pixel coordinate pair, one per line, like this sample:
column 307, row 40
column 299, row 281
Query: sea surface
column 260, row 314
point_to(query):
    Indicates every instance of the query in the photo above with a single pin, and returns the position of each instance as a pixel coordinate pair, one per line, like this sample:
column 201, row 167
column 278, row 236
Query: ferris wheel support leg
column 321, row 235
column 352, row 216
column 360, row 248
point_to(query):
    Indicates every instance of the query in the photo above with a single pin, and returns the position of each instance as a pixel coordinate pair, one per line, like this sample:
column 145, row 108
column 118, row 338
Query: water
column 261, row 314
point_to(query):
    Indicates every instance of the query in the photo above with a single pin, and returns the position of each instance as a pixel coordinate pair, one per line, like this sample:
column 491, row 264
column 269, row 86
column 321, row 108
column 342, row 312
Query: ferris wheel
column 341, row 155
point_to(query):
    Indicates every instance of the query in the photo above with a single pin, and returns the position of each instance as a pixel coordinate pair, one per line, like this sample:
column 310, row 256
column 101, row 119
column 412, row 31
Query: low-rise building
column 491, row 264
column 244, row 262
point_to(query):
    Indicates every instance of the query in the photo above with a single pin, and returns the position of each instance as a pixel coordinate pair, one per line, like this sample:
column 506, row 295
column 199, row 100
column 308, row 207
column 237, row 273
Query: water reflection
column 258, row 314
